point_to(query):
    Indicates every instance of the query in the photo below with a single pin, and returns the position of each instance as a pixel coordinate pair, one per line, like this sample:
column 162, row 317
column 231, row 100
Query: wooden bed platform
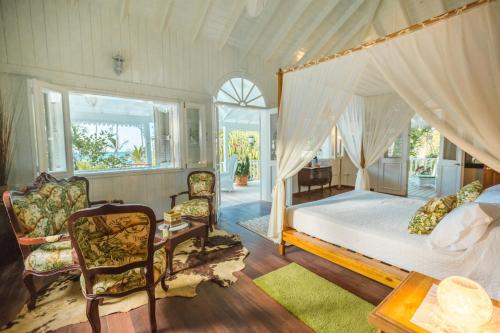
column 374, row 269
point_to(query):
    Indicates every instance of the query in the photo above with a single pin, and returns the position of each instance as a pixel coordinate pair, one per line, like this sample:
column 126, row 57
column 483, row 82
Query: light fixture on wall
column 255, row 7
column 118, row 61
column 251, row 140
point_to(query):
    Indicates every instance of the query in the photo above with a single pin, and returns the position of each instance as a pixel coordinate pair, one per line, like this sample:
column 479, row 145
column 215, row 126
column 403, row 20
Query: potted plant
column 242, row 172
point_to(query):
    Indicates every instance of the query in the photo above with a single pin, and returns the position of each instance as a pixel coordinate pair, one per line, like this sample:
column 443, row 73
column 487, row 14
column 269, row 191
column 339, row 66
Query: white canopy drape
column 448, row 72
column 311, row 110
column 368, row 127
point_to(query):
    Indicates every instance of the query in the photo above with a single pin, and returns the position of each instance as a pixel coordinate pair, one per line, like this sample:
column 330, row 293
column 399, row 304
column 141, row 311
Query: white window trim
column 203, row 135
column 41, row 149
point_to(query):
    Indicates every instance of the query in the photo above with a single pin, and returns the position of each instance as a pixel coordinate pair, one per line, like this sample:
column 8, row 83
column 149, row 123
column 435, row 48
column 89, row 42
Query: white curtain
column 368, row 127
column 312, row 100
column 350, row 126
column 449, row 73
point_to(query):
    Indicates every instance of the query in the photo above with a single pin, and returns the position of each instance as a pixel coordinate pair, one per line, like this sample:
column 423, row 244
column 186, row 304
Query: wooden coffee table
column 194, row 230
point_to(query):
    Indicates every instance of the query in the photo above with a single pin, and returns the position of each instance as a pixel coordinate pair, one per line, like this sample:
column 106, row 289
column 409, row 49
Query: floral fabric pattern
column 44, row 212
column 200, row 184
column 469, row 192
column 430, row 214
column 134, row 278
column 113, row 240
column 195, row 207
column 51, row 256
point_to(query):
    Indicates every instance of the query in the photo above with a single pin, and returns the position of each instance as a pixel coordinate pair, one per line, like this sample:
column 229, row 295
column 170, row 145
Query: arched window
column 241, row 92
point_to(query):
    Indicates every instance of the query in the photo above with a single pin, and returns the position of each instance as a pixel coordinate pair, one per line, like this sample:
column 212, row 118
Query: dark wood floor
column 242, row 307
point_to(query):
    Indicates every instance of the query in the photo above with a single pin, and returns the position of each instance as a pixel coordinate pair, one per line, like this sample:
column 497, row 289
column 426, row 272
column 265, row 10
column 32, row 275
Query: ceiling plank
column 258, row 30
column 237, row 10
column 310, row 29
column 125, row 10
column 359, row 31
column 311, row 53
column 202, row 17
column 278, row 36
column 167, row 13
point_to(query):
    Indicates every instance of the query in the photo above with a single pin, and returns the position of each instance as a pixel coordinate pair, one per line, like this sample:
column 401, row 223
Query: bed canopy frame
column 377, row 270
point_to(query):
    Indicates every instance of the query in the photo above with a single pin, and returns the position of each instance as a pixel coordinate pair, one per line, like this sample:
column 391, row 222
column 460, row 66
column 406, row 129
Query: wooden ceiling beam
column 258, row 30
column 202, row 17
column 291, row 19
column 167, row 13
column 311, row 53
column 237, row 10
column 309, row 31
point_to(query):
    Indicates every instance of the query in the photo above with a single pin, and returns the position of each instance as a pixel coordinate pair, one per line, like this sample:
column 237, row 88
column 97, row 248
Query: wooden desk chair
column 38, row 215
column 117, row 255
column 201, row 194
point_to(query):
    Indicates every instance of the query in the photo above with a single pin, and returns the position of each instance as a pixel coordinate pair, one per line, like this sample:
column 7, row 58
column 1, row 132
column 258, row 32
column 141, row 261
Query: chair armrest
column 27, row 241
column 159, row 243
column 102, row 202
column 172, row 198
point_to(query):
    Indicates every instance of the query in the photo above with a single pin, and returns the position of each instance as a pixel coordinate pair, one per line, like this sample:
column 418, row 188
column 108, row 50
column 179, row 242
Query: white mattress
column 375, row 224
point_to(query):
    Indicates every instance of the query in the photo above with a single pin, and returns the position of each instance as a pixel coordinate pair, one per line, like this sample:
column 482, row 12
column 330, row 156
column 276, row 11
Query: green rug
column 320, row 304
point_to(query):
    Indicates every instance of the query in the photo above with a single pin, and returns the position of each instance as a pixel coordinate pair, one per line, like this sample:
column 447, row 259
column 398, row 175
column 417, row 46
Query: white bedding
column 375, row 225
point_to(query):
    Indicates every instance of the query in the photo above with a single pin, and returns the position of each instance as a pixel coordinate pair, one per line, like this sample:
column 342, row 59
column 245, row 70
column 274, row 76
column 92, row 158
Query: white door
column 268, row 133
column 216, row 157
column 449, row 168
column 393, row 168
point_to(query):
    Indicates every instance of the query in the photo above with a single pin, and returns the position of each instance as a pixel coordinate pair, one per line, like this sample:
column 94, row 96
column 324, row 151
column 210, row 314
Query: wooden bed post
column 279, row 76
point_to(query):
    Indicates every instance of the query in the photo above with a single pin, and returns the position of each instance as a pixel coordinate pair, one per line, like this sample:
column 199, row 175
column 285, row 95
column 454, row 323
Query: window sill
column 132, row 172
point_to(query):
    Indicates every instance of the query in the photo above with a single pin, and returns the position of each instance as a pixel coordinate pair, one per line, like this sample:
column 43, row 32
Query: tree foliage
column 424, row 142
column 90, row 150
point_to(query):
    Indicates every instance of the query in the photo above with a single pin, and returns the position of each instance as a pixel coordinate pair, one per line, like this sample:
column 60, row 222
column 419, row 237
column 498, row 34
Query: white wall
column 71, row 43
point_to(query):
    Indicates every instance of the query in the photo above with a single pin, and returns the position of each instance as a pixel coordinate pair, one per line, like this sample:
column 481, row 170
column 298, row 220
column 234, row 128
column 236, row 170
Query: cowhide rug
column 63, row 304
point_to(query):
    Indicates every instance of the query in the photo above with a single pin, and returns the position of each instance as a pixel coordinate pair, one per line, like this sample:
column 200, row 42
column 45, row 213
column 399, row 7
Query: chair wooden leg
column 93, row 315
column 210, row 223
column 30, row 285
column 164, row 286
column 152, row 308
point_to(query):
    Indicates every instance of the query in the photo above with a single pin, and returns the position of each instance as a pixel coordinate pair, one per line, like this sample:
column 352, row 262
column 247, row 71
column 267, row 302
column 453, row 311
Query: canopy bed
column 447, row 70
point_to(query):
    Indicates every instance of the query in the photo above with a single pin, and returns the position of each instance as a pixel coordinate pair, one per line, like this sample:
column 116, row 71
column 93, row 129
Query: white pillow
column 490, row 195
column 463, row 226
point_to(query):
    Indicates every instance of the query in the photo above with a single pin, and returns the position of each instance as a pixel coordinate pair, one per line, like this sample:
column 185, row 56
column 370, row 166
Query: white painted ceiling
column 287, row 32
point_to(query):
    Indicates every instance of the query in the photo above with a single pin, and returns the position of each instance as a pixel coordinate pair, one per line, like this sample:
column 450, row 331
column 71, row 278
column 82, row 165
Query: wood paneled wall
column 71, row 43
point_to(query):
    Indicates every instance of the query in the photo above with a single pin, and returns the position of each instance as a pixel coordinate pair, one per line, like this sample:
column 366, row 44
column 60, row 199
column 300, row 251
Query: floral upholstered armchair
column 117, row 255
column 38, row 216
column 201, row 195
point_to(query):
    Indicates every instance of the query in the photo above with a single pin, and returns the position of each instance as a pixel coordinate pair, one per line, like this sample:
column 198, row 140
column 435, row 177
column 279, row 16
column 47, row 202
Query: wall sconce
column 118, row 61
column 464, row 303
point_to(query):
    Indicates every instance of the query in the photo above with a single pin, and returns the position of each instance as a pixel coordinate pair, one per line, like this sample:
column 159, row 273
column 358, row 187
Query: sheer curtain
column 350, row 126
column 368, row 127
column 449, row 73
column 312, row 101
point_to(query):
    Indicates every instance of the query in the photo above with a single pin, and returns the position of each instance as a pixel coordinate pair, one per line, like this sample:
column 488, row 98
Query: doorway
column 435, row 164
column 242, row 126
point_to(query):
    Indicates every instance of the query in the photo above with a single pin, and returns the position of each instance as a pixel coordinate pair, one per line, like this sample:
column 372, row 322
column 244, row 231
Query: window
column 395, row 149
column 91, row 133
column 241, row 92
column 332, row 147
column 195, row 141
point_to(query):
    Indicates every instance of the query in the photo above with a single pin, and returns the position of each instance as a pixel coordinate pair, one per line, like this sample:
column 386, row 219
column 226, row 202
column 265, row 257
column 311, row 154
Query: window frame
column 40, row 137
column 203, row 135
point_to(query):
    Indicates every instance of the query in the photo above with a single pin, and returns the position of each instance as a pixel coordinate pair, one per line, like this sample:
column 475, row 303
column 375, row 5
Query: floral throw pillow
column 430, row 214
column 469, row 192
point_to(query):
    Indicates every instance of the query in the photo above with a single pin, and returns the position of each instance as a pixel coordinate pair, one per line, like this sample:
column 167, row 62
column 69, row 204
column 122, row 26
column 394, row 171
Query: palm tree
column 138, row 154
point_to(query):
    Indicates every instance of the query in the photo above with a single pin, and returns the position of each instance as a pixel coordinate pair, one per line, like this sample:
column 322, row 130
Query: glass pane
column 274, row 135
column 258, row 102
column 449, row 150
column 113, row 133
column 54, row 126
column 193, row 128
column 247, row 87
column 394, row 150
column 237, row 87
